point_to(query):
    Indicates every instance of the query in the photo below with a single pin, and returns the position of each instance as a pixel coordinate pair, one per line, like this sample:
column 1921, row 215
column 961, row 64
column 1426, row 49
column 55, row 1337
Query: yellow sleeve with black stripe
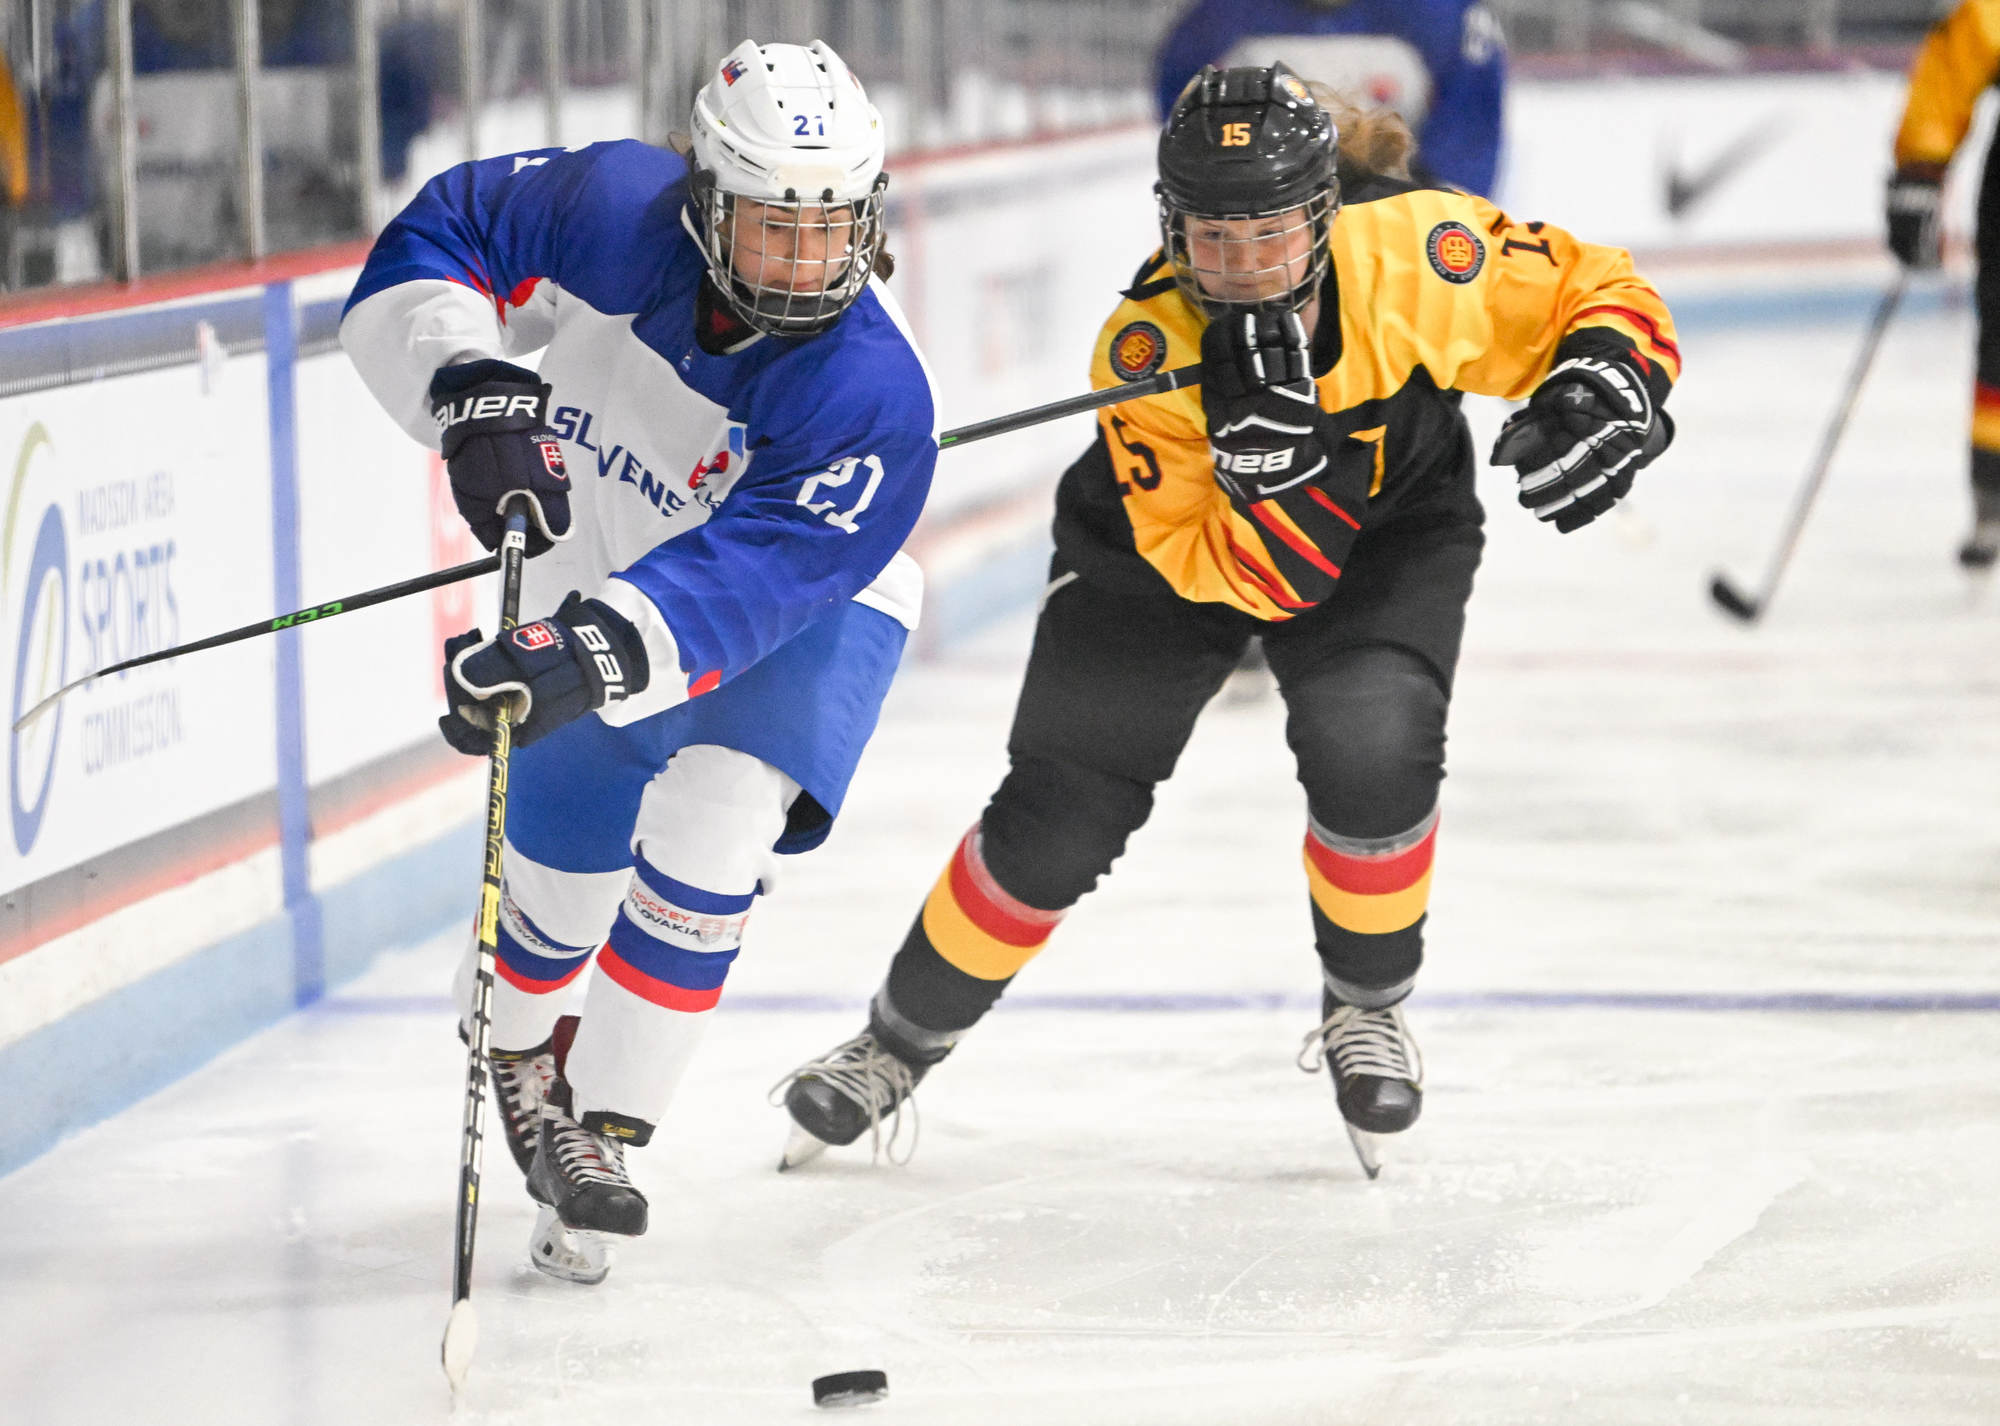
column 1958, row 60
column 1449, row 283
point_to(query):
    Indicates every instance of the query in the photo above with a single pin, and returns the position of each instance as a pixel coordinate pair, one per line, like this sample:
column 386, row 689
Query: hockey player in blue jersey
column 730, row 436
column 1441, row 64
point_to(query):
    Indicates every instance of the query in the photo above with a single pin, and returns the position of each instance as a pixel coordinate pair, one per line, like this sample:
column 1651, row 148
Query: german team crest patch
column 1139, row 350
column 1456, row 253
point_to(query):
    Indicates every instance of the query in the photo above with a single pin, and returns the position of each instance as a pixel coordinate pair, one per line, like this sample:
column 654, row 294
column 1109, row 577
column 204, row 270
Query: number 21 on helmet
column 787, row 190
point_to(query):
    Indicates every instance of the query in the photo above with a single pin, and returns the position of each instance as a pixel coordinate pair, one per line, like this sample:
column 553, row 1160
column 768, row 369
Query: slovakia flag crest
column 732, row 71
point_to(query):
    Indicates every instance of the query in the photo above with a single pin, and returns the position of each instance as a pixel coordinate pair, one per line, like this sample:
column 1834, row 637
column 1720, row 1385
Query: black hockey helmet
column 1248, row 143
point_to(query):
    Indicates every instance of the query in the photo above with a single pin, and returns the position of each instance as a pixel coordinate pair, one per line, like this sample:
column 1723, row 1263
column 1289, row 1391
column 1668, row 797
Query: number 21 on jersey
column 839, row 475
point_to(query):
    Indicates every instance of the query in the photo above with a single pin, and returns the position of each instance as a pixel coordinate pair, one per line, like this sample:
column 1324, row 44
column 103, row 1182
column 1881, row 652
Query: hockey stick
column 461, row 1331
column 1156, row 385
column 998, row 426
column 293, row 620
column 1721, row 589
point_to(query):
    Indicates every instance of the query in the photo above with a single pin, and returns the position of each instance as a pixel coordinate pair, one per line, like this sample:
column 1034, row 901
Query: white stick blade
column 461, row 1340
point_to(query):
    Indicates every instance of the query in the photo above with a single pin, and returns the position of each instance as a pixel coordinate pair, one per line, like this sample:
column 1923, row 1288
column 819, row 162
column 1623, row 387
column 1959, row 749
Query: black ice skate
column 1378, row 1072
column 833, row 1100
column 579, row 1179
column 521, row 1082
column 1982, row 547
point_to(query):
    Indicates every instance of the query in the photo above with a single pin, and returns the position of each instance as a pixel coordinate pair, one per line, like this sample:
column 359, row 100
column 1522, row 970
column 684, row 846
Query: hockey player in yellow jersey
column 1957, row 63
column 1317, row 490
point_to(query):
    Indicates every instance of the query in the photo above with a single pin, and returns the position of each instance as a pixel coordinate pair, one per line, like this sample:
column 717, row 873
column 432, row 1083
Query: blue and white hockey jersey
column 1441, row 64
column 719, row 502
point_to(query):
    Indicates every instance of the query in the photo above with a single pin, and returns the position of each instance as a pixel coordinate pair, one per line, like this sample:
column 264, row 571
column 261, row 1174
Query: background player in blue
column 729, row 439
column 1441, row 64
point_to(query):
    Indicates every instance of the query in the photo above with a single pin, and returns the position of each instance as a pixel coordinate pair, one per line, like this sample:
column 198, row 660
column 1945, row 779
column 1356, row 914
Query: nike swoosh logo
column 1686, row 191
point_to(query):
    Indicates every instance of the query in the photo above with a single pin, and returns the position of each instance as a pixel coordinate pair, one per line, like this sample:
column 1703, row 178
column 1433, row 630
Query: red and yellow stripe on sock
column 1985, row 417
column 1372, row 893
column 973, row 923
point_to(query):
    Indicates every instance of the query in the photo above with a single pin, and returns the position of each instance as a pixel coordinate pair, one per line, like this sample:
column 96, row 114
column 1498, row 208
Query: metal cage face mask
column 1237, row 262
column 790, row 268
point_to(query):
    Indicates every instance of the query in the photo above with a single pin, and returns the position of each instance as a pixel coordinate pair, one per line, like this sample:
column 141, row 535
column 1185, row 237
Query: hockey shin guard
column 550, row 922
column 967, row 944
column 706, row 828
column 1368, row 904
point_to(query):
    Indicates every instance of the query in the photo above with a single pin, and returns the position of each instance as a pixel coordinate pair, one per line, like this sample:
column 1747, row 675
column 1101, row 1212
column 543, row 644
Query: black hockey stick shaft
column 1725, row 593
column 978, row 431
column 293, row 620
column 1157, row 385
column 461, row 1331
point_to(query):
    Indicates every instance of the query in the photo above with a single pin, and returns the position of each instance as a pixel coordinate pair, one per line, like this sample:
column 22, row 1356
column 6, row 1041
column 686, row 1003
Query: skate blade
column 570, row 1254
column 800, row 1148
column 1366, row 1149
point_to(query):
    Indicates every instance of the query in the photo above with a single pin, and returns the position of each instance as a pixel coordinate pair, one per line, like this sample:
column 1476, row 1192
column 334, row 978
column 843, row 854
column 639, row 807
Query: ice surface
column 1693, row 1151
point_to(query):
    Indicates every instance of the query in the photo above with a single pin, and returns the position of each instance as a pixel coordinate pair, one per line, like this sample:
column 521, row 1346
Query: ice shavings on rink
column 1709, row 1021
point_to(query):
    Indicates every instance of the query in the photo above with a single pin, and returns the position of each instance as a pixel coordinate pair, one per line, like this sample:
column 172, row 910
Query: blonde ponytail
column 1372, row 141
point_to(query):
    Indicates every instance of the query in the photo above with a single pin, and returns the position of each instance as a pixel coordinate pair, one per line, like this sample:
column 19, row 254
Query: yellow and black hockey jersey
column 1959, row 59
column 1430, row 293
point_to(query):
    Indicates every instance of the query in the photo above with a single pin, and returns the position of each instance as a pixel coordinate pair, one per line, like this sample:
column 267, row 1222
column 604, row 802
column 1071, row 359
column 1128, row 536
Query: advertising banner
column 137, row 516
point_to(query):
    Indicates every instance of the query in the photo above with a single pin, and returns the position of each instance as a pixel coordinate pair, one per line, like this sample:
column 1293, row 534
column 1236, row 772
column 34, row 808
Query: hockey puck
column 850, row 1388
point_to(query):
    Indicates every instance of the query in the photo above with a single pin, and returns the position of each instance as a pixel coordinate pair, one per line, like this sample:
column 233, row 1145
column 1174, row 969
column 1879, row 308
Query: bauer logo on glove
column 498, row 448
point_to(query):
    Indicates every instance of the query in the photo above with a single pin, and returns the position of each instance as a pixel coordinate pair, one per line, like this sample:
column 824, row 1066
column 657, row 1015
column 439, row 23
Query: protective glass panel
column 186, row 119
column 308, row 104
column 601, row 48
column 55, row 217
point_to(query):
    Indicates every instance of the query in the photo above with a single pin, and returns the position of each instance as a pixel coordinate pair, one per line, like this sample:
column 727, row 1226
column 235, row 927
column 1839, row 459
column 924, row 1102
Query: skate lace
column 584, row 1157
column 874, row 1079
column 525, row 1083
column 1362, row 1041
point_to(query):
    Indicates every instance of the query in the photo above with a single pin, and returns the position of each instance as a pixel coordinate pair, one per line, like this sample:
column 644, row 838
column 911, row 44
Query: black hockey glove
column 1916, row 193
column 1262, row 407
column 1581, row 438
column 557, row 669
column 497, row 445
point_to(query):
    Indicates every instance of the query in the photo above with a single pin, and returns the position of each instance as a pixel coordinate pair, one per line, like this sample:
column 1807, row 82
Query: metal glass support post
column 919, row 90
column 367, row 116
column 555, row 17
column 471, row 56
column 125, row 139
column 645, row 20
column 249, row 129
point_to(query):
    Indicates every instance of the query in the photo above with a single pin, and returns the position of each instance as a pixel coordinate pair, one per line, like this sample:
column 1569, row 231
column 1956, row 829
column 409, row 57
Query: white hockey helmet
column 788, row 185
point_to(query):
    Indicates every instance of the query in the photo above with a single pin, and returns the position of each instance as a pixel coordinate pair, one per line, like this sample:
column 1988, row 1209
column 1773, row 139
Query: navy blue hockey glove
column 1916, row 194
column 1581, row 438
column 1262, row 406
column 556, row 669
column 493, row 427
